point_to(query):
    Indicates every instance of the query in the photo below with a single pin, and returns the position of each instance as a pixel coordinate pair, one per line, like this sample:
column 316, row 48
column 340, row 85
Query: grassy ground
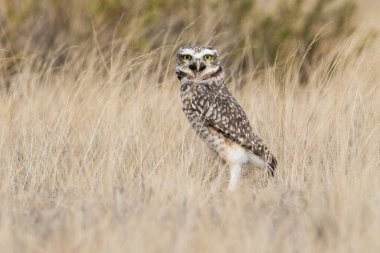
column 98, row 157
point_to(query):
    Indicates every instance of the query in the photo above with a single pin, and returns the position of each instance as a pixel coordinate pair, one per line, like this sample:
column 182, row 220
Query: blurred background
column 97, row 156
column 256, row 33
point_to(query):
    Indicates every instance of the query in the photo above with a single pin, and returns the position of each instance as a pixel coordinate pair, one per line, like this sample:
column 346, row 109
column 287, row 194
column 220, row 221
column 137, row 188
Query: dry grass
column 101, row 159
column 95, row 161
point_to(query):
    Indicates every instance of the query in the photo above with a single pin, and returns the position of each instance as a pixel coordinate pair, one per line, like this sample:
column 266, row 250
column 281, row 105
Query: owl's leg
column 235, row 173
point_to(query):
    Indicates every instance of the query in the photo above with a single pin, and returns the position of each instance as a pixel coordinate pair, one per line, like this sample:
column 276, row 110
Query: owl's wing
column 221, row 111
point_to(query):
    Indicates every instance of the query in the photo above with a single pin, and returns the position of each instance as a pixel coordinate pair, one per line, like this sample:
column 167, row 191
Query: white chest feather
column 233, row 153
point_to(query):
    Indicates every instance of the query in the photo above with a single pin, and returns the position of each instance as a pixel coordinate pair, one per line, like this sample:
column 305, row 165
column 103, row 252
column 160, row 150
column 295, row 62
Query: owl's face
column 197, row 62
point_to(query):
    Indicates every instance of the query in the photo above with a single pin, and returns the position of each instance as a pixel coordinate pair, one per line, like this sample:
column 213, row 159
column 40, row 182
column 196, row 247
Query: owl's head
column 196, row 62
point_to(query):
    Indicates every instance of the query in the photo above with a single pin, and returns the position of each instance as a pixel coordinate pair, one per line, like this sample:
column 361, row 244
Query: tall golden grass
column 96, row 156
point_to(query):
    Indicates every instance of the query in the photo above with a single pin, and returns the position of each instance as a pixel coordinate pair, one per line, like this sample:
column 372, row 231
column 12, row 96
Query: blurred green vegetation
column 252, row 31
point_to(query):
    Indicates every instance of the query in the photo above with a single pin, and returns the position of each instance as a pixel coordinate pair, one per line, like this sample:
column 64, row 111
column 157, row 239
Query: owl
column 215, row 114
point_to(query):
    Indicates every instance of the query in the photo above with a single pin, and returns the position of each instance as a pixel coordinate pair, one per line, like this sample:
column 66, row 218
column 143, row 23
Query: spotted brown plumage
column 215, row 114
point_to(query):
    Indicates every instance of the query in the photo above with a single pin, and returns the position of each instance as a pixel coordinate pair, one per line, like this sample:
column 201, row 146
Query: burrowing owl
column 215, row 114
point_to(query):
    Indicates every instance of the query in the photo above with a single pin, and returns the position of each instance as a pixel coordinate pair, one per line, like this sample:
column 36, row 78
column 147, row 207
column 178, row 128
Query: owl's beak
column 198, row 64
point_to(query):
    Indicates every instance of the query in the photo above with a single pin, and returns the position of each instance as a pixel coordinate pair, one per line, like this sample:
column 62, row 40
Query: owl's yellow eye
column 207, row 57
column 187, row 57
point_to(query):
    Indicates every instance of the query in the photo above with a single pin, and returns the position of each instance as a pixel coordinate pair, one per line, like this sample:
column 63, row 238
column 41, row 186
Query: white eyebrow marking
column 209, row 51
column 187, row 51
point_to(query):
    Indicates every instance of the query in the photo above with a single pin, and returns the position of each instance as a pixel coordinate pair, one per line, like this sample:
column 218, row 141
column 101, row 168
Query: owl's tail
column 272, row 165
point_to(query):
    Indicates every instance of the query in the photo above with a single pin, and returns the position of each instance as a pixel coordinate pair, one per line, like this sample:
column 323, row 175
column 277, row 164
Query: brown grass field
column 97, row 156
